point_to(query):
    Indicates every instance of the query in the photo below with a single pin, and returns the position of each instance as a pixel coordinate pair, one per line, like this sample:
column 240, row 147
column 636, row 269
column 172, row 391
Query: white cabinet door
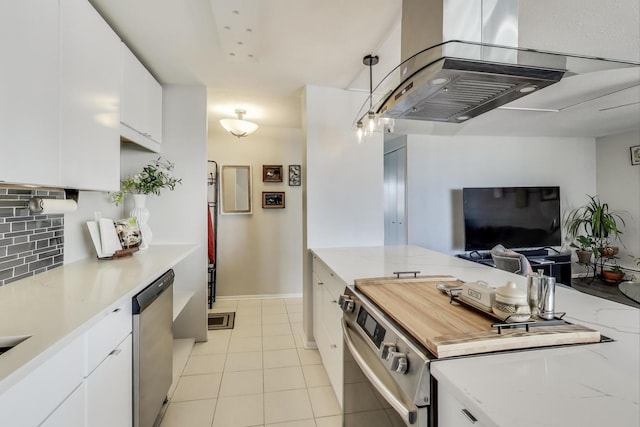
column 452, row 413
column 29, row 92
column 154, row 109
column 141, row 108
column 109, row 389
column 72, row 412
column 90, row 99
column 35, row 397
column 327, row 318
column 133, row 91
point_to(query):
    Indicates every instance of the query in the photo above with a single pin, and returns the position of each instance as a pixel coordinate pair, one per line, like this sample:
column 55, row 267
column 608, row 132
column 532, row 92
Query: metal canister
column 546, row 297
column 533, row 287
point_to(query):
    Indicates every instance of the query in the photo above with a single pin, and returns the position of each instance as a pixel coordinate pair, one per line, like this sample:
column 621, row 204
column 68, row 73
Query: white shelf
column 180, row 300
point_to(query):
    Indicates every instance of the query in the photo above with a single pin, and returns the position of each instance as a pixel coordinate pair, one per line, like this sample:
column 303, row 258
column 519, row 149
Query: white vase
column 141, row 213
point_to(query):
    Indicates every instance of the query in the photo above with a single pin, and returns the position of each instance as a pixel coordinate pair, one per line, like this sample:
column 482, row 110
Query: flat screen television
column 516, row 217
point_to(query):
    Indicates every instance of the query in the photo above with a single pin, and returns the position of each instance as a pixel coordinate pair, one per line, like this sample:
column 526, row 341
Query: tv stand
column 557, row 264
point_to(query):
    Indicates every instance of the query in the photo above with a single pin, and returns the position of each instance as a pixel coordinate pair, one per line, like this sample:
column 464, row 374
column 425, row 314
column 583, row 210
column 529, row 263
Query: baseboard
column 265, row 296
column 308, row 344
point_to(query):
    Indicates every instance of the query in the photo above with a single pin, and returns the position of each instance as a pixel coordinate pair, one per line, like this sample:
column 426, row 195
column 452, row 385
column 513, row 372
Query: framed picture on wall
column 635, row 155
column 272, row 173
column 273, row 199
column 294, row 175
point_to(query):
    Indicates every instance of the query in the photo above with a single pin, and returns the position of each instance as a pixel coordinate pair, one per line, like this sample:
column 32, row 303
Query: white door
column 395, row 212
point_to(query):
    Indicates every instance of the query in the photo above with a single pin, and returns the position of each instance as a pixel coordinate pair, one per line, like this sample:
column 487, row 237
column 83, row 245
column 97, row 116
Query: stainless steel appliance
column 152, row 349
column 387, row 382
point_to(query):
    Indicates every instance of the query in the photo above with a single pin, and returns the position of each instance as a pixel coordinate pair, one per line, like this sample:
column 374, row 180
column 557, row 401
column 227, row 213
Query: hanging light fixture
column 370, row 61
column 239, row 127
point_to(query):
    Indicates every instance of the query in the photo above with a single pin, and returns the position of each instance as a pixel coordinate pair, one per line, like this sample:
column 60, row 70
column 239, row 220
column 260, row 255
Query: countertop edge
column 154, row 261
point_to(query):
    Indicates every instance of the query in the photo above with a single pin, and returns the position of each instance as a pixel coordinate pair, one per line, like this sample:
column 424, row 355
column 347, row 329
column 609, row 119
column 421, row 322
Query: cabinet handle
column 320, row 283
column 469, row 416
column 115, row 352
column 333, row 346
column 117, row 310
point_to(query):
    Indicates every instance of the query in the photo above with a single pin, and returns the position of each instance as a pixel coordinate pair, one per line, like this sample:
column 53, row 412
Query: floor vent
column 221, row 320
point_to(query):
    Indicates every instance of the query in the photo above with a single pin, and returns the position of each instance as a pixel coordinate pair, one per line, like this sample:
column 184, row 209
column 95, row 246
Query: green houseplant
column 585, row 248
column 153, row 177
column 596, row 222
column 613, row 274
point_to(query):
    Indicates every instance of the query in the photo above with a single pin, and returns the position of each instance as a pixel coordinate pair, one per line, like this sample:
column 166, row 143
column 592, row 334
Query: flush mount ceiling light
column 239, row 127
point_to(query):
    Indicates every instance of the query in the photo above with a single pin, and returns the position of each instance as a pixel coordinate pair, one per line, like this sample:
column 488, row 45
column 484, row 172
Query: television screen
column 516, row 217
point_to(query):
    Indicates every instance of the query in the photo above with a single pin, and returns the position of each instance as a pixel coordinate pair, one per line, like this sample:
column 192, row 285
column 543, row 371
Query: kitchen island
column 585, row 385
column 67, row 314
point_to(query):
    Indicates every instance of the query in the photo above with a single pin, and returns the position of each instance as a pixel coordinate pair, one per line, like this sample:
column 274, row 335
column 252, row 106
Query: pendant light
column 239, row 127
column 370, row 61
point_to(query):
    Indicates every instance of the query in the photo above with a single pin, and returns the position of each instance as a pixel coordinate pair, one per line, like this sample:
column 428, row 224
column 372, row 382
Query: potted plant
column 584, row 249
column 613, row 274
column 599, row 223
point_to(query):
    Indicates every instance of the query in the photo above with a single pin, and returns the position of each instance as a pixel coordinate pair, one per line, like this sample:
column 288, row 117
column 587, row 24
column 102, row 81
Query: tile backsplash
column 29, row 244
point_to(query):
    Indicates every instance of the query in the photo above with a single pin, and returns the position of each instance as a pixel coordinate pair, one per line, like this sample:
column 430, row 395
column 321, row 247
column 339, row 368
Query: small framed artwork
column 272, row 173
column 635, row 155
column 294, row 175
column 273, row 199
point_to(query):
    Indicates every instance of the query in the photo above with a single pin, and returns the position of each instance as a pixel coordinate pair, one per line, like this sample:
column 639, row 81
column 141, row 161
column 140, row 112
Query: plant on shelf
column 613, row 274
column 585, row 248
column 154, row 177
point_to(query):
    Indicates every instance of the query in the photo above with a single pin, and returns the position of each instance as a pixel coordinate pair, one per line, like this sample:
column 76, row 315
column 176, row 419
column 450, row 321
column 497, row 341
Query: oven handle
column 409, row 415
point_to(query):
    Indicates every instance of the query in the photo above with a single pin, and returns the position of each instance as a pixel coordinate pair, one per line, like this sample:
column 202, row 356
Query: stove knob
column 346, row 303
column 386, row 348
column 398, row 362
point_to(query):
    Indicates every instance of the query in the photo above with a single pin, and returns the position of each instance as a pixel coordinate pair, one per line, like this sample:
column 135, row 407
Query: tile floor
column 257, row 374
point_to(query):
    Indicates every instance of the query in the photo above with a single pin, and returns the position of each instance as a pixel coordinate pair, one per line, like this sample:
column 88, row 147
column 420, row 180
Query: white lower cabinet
column 327, row 322
column 86, row 383
column 72, row 412
column 36, row 396
column 452, row 412
column 109, row 390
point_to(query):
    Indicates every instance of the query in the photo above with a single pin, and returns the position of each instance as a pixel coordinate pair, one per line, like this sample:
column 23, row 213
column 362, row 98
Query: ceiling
column 292, row 43
column 259, row 54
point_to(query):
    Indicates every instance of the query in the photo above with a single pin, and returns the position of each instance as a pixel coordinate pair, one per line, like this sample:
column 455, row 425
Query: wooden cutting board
column 449, row 329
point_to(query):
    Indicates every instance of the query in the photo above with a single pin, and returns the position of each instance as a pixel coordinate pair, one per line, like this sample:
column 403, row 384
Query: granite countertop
column 55, row 307
column 586, row 385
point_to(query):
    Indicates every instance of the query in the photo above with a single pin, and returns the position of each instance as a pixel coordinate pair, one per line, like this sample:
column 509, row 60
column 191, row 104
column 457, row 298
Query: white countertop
column 589, row 385
column 57, row 306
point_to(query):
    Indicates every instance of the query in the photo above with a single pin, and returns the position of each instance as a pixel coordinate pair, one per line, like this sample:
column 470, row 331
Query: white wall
column 261, row 253
column 605, row 28
column 618, row 183
column 179, row 216
column 438, row 167
column 344, row 180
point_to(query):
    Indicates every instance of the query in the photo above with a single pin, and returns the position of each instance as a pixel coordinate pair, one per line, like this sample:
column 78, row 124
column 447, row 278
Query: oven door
column 371, row 396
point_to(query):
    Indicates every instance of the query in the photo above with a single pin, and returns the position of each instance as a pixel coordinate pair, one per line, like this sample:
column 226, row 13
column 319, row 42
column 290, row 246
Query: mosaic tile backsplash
column 29, row 243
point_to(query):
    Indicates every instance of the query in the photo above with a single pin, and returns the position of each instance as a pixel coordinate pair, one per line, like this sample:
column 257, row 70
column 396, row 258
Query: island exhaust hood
column 473, row 63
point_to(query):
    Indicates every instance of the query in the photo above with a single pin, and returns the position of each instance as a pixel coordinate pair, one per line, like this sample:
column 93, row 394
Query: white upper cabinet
column 141, row 103
column 90, row 103
column 29, row 92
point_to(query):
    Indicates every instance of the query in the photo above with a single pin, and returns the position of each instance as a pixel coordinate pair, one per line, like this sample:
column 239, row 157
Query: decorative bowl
column 511, row 312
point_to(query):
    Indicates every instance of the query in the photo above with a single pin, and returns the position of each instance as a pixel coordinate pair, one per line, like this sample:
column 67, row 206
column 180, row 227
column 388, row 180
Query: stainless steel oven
column 387, row 382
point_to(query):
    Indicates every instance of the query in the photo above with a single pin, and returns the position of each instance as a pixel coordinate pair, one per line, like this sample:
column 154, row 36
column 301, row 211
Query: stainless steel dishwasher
column 152, row 349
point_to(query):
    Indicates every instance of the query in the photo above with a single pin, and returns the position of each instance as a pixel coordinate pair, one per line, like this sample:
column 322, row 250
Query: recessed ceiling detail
column 238, row 27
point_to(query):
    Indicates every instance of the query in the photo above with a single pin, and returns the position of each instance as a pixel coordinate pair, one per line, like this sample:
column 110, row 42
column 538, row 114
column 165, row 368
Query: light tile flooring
column 257, row 374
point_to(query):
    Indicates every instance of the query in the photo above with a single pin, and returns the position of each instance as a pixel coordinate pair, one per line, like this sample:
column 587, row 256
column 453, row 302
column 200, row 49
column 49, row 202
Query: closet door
column 395, row 212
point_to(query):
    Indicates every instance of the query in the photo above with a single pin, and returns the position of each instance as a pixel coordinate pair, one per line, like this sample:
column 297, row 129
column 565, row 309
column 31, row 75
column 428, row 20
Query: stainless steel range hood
column 472, row 64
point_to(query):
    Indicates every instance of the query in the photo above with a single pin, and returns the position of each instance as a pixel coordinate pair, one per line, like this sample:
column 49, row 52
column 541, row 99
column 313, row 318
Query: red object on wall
column 211, row 243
